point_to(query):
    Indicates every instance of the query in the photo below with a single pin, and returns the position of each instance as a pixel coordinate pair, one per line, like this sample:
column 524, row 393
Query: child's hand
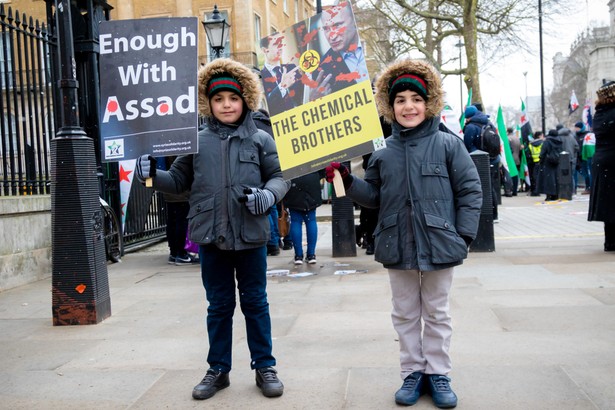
column 258, row 200
column 330, row 171
column 145, row 167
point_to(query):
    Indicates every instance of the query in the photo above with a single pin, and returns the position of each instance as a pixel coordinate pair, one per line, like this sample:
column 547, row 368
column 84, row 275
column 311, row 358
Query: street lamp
column 217, row 31
column 525, row 78
column 460, row 44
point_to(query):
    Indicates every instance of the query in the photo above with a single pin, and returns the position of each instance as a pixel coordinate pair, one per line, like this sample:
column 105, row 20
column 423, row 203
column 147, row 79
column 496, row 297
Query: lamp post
column 217, row 30
column 525, row 79
column 459, row 45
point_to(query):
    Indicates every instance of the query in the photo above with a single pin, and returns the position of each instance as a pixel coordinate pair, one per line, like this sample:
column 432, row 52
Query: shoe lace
column 269, row 375
column 210, row 377
column 441, row 384
column 410, row 382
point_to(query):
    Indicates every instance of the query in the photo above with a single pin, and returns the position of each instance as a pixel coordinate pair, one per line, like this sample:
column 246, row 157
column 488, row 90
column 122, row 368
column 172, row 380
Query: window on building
column 296, row 11
column 285, row 7
column 257, row 30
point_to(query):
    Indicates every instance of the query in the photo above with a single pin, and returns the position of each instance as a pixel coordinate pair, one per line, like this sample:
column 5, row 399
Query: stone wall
column 25, row 240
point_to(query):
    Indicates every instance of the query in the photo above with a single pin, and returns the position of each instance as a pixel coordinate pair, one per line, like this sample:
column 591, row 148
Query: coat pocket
column 201, row 221
column 386, row 241
column 445, row 243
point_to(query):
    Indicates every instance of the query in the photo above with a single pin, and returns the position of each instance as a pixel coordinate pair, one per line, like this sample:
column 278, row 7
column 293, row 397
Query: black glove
column 344, row 173
column 258, row 200
column 467, row 239
column 146, row 167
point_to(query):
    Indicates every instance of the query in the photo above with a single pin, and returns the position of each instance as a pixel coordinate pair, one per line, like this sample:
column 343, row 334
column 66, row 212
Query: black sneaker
column 411, row 390
column 273, row 250
column 171, row 260
column 288, row 245
column 441, row 392
column 267, row 380
column 298, row 260
column 311, row 259
column 183, row 260
column 211, row 383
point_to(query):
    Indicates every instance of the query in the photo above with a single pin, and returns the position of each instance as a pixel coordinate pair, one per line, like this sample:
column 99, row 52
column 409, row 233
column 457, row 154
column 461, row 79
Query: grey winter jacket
column 230, row 159
column 429, row 195
column 569, row 144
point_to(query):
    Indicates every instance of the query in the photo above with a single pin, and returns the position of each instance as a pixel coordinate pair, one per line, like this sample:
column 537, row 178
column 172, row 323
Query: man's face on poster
column 338, row 28
column 273, row 52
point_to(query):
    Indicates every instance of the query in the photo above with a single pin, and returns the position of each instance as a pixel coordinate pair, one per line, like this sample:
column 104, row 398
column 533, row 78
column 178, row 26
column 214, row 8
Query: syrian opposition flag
column 506, row 157
column 573, row 104
column 449, row 119
column 523, row 169
column 587, row 115
column 589, row 146
column 526, row 128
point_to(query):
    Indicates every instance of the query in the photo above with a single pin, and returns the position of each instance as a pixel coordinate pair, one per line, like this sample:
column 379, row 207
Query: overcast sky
column 505, row 83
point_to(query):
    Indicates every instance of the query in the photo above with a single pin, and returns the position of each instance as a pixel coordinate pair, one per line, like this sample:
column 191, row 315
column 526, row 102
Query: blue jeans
column 311, row 230
column 218, row 271
column 274, row 239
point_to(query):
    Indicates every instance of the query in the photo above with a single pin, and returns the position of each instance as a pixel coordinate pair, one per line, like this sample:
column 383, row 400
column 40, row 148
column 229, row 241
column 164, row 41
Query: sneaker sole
column 197, row 396
column 272, row 392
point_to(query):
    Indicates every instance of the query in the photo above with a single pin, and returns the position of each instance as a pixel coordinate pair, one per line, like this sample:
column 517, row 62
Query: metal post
column 542, row 80
column 80, row 285
column 460, row 44
column 342, row 229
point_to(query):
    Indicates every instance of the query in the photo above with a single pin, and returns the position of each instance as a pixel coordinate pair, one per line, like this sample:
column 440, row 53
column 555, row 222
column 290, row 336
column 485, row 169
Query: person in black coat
column 547, row 176
column 602, row 196
column 301, row 200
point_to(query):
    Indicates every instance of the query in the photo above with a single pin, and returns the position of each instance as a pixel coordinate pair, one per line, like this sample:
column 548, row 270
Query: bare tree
column 493, row 27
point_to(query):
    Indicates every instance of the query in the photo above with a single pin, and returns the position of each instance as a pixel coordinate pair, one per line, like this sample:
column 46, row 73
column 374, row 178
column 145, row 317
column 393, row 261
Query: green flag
column 505, row 153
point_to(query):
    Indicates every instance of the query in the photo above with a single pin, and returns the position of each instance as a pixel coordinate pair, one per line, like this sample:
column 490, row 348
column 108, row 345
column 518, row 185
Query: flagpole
column 542, row 80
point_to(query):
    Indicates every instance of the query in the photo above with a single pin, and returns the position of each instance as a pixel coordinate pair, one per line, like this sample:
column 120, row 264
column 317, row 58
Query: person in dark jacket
column 177, row 225
column 233, row 180
column 475, row 121
column 583, row 165
column 534, row 148
column 547, row 176
column 429, row 194
column 602, row 195
column 302, row 199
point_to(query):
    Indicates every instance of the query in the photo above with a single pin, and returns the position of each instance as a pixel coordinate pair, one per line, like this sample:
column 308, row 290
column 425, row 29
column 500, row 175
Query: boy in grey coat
column 429, row 195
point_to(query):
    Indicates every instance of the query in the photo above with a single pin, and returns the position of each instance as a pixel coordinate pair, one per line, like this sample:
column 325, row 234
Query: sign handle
column 149, row 182
column 338, row 184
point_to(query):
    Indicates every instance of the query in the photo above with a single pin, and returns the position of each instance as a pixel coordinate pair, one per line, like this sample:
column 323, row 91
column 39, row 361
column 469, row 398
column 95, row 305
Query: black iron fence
column 28, row 78
column 25, row 103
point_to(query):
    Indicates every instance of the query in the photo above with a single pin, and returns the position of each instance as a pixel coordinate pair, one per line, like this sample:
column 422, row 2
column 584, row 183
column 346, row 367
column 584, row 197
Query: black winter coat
column 547, row 175
column 602, row 198
column 304, row 193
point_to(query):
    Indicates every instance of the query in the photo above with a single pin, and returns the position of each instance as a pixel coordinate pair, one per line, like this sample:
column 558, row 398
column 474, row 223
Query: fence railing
column 26, row 104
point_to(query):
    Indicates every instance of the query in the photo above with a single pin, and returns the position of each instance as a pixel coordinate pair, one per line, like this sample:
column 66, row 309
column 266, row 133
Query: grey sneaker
column 267, row 380
column 211, row 383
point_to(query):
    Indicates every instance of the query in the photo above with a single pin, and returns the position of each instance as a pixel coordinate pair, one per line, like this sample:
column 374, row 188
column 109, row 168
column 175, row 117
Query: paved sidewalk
column 534, row 328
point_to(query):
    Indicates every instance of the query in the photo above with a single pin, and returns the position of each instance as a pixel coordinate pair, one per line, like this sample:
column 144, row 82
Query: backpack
column 489, row 141
column 552, row 157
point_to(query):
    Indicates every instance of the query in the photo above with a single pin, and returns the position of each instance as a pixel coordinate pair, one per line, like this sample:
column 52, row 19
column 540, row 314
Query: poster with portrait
column 148, row 87
column 319, row 93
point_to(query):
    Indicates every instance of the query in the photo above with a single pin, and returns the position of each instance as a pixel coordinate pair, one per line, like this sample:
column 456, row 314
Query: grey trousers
column 421, row 318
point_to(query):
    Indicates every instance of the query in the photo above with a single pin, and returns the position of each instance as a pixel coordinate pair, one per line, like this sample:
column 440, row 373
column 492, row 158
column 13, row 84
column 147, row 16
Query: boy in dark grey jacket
column 429, row 195
column 233, row 181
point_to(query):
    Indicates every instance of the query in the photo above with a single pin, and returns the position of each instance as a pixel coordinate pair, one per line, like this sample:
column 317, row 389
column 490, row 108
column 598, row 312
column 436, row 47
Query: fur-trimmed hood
column 435, row 95
column 250, row 84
